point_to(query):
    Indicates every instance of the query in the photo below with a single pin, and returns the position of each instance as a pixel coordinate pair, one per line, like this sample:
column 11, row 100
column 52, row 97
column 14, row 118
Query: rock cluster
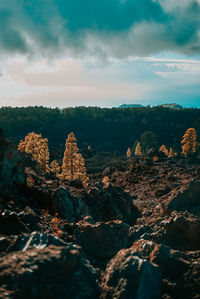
column 137, row 236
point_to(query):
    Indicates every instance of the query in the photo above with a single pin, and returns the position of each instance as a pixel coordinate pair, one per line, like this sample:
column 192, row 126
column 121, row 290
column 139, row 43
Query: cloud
column 66, row 82
column 75, row 82
column 113, row 28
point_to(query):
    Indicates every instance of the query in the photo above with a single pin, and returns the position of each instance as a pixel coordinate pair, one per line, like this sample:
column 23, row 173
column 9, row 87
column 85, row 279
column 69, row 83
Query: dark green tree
column 148, row 140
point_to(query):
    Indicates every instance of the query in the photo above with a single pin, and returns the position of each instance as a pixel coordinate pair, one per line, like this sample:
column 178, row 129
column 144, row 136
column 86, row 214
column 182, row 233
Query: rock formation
column 134, row 237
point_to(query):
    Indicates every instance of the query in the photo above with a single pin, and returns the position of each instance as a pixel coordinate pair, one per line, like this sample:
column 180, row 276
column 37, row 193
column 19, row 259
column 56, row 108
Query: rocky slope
column 135, row 236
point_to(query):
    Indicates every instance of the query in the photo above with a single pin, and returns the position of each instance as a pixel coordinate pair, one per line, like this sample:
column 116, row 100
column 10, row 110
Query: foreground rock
column 36, row 240
column 54, row 272
column 129, row 276
column 179, row 230
column 102, row 240
column 112, row 203
column 117, row 252
column 67, row 206
column 177, row 268
column 11, row 164
column 186, row 199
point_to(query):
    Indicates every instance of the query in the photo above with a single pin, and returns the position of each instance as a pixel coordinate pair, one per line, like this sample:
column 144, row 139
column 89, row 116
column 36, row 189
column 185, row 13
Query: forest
column 103, row 129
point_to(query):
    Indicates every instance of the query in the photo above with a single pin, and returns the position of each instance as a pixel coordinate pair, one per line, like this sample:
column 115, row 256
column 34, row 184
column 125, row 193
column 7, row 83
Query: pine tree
column 138, row 151
column 55, row 167
column 148, row 140
column 189, row 141
column 128, row 153
column 73, row 166
column 164, row 150
column 35, row 145
column 69, row 158
column 43, row 154
column 80, row 170
column 171, row 153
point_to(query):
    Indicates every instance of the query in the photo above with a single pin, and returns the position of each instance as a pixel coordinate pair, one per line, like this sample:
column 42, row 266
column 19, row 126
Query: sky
column 61, row 53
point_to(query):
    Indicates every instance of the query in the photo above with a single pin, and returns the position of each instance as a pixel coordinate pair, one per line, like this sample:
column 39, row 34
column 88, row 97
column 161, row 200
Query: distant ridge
column 171, row 106
column 130, row 105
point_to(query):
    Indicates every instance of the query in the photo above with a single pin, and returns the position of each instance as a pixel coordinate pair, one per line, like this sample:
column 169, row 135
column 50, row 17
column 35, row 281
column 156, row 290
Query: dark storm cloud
column 117, row 28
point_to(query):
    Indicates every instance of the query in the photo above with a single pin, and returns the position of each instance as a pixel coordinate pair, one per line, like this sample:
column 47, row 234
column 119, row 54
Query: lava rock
column 69, row 207
column 36, row 240
column 53, row 272
column 102, row 240
column 129, row 276
column 11, row 164
column 184, row 228
column 187, row 198
column 112, row 203
column 11, row 224
column 63, row 205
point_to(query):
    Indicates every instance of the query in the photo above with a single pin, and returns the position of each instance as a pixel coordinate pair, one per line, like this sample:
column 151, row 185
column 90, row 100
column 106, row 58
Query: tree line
column 102, row 129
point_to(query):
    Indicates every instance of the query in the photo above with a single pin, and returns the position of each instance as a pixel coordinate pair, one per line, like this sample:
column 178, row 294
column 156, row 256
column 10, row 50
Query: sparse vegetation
column 128, row 153
column 138, row 151
column 37, row 146
column 164, row 150
column 189, row 142
column 73, row 166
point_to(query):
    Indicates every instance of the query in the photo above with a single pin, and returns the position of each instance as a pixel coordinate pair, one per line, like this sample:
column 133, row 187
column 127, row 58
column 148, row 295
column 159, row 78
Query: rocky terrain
column 134, row 235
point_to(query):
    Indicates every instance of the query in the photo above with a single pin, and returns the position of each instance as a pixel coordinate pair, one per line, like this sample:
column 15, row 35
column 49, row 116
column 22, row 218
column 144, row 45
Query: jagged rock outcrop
column 11, row 164
column 112, row 203
column 102, row 240
column 52, row 272
column 183, row 229
column 69, row 207
column 136, row 236
column 176, row 267
column 73, row 204
column 186, row 199
column 179, row 230
column 36, row 240
column 129, row 276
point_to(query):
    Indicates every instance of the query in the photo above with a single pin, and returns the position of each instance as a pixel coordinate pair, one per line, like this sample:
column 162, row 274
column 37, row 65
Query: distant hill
column 172, row 106
column 130, row 106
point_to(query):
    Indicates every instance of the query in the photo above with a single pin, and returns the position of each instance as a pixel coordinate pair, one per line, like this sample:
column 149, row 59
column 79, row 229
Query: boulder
column 11, row 164
column 36, row 240
column 52, row 272
column 102, row 240
column 129, row 276
column 11, row 224
column 180, row 230
column 170, row 261
column 67, row 206
column 63, row 205
column 174, row 266
column 112, row 203
column 183, row 229
column 187, row 198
